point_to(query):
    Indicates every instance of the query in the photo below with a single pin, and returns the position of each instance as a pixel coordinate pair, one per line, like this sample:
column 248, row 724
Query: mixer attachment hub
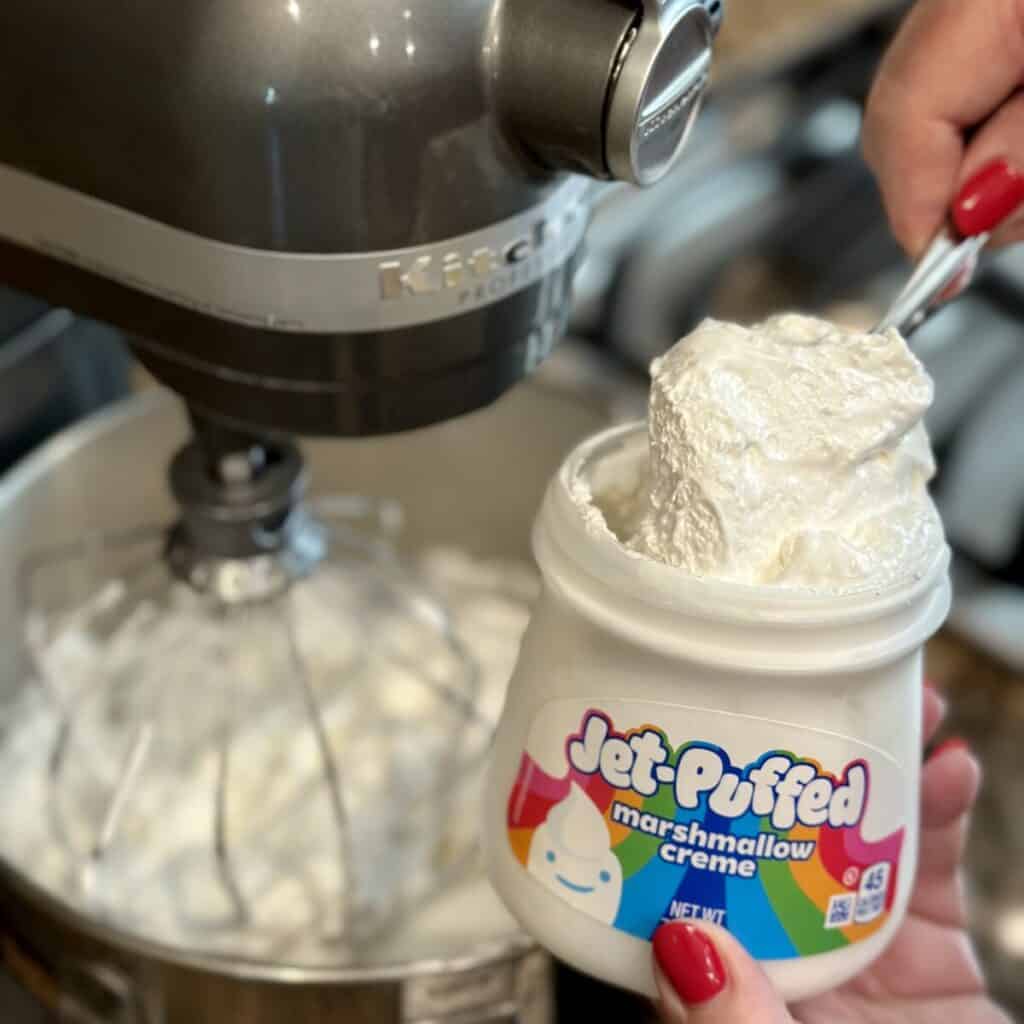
column 243, row 534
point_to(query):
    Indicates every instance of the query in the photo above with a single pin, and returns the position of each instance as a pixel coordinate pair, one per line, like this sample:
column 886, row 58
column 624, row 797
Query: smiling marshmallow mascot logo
column 571, row 855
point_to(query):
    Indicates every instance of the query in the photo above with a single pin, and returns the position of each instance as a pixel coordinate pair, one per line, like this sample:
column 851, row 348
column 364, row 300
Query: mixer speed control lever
column 657, row 89
column 607, row 88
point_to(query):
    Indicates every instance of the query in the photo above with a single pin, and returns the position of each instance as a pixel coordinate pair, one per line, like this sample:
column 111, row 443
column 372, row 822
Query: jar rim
column 599, row 554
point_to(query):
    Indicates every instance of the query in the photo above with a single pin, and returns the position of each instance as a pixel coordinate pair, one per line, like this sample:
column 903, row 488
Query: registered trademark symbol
column 851, row 876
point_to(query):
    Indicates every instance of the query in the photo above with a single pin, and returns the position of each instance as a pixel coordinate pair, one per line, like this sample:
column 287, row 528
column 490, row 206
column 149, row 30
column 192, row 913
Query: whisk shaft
column 221, row 850
column 134, row 763
column 331, row 774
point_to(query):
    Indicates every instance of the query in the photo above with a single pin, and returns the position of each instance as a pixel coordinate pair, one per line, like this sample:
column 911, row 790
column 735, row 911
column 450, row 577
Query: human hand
column 953, row 68
column 928, row 974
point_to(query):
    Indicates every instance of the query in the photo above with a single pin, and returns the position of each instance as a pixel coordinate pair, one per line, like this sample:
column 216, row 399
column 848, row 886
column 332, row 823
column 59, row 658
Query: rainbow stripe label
column 635, row 823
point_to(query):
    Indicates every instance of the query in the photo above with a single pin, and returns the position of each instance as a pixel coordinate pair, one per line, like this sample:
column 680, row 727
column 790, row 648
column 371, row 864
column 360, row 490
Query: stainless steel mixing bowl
column 474, row 482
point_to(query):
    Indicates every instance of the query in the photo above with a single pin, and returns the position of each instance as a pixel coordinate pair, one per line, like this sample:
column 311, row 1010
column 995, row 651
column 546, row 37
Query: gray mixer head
column 331, row 218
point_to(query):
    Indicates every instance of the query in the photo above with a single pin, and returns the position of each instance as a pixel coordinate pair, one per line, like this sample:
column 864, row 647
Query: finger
column 919, row 108
column 704, row 976
column 935, row 707
column 942, row 850
column 940, row 895
column 925, row 957
column 999, row 143
column 949, row 785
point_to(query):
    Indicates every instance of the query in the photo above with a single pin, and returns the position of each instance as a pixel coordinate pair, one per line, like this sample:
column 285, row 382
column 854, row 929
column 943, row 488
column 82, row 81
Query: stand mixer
column 319, row 219
column 327, row 219
column 331, row 219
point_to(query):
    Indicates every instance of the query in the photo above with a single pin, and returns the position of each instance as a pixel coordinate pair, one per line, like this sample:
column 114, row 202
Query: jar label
column 639, row 813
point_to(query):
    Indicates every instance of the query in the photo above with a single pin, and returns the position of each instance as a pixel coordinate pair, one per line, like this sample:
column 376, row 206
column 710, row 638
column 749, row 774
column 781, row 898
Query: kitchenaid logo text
column 670, row 113
column 777, row 787
column 485, row 271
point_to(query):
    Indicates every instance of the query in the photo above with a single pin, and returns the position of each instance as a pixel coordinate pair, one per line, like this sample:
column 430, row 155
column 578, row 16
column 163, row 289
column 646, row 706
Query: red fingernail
column 988, row 198
column 956, row 743
column 689, row 960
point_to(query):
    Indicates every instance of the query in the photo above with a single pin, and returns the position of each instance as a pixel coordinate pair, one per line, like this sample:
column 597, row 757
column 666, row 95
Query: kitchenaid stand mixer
column 330, row 219
column 337, row 220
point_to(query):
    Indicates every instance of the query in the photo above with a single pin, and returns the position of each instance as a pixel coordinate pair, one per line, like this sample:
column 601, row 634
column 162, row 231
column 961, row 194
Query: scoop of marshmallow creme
column 791, row 453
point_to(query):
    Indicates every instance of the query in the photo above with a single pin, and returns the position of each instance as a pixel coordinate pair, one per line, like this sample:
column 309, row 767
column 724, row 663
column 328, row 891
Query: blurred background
column 772, row 208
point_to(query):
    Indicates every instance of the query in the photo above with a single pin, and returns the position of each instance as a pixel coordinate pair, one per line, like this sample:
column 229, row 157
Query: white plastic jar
column 680, row 748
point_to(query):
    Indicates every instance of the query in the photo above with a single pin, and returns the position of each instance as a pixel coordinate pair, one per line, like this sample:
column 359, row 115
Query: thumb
column 992, row 176
column 704, row 976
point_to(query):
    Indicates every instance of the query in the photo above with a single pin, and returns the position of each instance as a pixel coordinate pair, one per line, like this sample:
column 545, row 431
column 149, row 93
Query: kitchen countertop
column 755, row 45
